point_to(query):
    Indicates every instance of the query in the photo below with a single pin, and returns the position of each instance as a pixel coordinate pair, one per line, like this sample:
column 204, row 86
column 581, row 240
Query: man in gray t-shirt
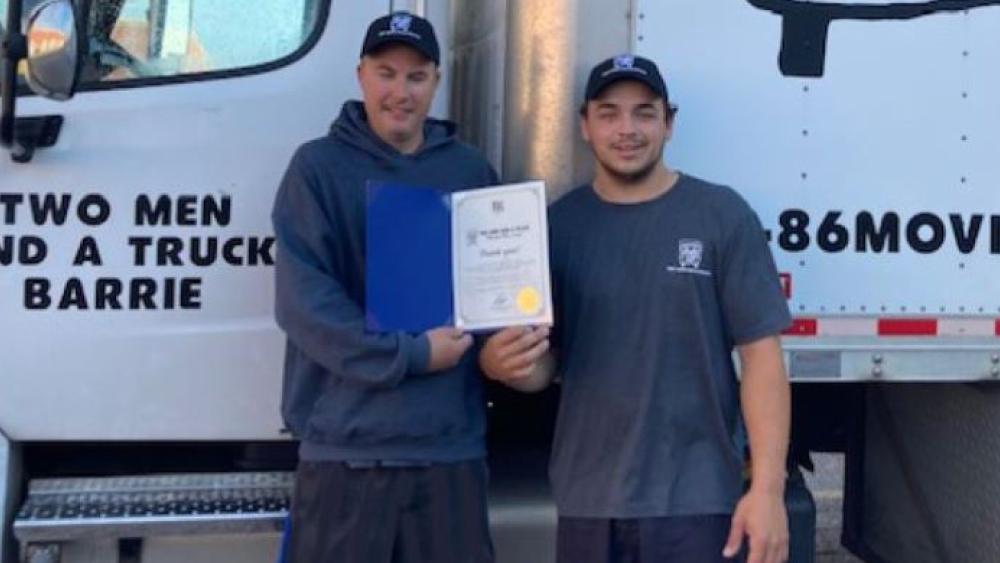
column 657, row 277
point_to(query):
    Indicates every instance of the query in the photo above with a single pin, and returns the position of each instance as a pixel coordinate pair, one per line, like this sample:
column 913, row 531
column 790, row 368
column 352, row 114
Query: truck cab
column 141, row 367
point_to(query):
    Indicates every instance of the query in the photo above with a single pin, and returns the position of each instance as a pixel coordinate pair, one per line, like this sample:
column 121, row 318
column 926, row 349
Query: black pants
column 674, row 539
column 424, row 514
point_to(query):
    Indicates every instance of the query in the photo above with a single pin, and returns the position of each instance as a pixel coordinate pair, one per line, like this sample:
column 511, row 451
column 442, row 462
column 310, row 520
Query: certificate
column 500, row 257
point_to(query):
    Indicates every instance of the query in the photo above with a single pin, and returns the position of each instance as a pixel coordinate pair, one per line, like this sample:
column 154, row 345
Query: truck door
column 135, row 254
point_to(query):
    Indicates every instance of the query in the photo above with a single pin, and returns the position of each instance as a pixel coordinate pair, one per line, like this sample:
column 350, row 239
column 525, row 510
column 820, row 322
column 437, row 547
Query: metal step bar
column 59, row 510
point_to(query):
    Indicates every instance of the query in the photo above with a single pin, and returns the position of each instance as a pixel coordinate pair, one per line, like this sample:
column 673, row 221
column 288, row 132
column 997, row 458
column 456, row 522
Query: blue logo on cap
column 624, row 62
column 400, row 23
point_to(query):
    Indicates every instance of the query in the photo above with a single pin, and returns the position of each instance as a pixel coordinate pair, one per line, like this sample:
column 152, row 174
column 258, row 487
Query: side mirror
column 54, row 49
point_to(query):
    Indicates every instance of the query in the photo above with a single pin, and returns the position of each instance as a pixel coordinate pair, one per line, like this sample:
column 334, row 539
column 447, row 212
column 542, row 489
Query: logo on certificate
column 498, row 206
column 501, row 302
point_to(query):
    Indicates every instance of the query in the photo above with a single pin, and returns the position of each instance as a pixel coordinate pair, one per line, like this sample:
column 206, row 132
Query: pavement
column 827, row 487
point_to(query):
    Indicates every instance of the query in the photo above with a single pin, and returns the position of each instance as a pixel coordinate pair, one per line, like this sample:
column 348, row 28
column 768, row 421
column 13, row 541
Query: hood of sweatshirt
column 351, row 127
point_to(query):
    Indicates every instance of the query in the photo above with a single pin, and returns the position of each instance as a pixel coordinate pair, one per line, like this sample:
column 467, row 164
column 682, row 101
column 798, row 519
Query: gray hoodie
column 348, row 394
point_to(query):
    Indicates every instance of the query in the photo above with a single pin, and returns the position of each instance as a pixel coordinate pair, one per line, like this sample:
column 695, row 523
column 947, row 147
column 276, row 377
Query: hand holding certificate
column 475, row 259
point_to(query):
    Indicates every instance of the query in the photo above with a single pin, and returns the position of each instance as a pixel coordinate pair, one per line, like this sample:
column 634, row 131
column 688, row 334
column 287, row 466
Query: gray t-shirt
column 650, row 299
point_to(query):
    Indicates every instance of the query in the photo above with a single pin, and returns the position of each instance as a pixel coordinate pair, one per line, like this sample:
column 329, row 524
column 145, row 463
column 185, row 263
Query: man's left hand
column 760, row 516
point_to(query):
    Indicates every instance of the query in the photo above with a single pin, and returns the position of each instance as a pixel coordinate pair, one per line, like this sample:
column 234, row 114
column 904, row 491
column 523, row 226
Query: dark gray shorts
column 681, row 539
column 421, row 514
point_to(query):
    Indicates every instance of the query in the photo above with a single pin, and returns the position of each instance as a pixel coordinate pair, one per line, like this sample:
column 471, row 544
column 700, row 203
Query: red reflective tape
column 907, row 327
column 786, row 284
column 997, row 329
column 802, row 327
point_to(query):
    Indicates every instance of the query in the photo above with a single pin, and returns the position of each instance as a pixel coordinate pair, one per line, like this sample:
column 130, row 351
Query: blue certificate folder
column 408, row 280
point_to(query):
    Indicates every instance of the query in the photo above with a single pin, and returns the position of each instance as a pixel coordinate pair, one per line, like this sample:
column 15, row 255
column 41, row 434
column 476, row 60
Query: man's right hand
column 448, row 345
column 512, row 357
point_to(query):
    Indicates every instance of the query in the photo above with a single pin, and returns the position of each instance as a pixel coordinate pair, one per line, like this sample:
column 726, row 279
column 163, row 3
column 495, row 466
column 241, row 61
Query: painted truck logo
column 805, row 25
column 166, row 240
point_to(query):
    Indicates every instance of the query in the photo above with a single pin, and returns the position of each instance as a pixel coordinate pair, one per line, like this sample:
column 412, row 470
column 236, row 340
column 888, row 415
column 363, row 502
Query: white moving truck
column 140, row 365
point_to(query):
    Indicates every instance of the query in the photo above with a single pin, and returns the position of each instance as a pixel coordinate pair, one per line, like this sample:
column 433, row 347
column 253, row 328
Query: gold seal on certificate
column 500, row 257
column 529, row 300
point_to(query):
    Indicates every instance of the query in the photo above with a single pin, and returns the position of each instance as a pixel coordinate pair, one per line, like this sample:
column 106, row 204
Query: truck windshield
column 152, row 38
column 141, row 39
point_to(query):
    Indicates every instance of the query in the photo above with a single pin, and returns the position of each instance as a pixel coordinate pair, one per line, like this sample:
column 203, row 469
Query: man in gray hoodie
column 391, row 424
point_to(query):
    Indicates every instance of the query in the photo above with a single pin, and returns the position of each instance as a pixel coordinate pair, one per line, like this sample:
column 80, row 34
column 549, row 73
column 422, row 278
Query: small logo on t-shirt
column 689, row 253
column 689, row 256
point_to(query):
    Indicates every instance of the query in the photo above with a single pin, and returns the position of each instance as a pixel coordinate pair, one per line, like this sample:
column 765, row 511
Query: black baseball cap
column 405, row 28
column 625, row 67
